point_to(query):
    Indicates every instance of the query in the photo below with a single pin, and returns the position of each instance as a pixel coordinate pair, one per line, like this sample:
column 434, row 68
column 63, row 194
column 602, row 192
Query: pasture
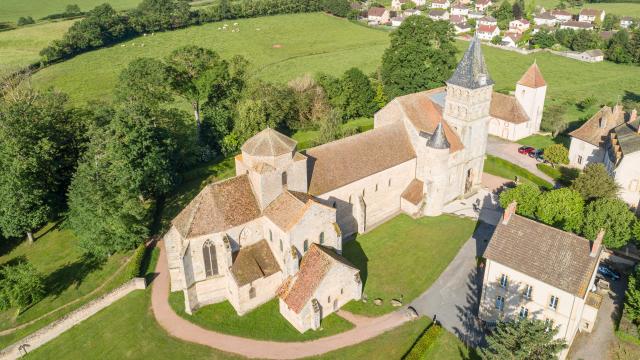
column 620, row 9
column 11, row 10
column 20, row 47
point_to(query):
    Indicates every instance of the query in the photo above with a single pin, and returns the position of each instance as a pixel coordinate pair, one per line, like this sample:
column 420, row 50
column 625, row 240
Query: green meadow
column 11, row 10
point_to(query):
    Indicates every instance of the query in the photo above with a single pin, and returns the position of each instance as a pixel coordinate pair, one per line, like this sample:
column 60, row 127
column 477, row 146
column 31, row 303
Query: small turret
column 438, row 140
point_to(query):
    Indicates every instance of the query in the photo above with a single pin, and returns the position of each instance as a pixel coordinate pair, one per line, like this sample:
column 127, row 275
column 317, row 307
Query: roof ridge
column 551, row 227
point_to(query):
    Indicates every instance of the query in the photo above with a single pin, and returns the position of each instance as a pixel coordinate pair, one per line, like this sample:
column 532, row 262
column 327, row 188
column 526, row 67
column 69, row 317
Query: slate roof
column 218, row 207
column 269, row 142
column 507, row 108
column 437, row 12
column 472, row 68
column 438, row 140
column 553, row 256
column 414, row 192
column 253, row 262
column 544, row 16
column 595, row 130
column 578, row 24
column 287, row 209
column 344, row 161
column 627, row 137
column 316, row 263
column 532, row 77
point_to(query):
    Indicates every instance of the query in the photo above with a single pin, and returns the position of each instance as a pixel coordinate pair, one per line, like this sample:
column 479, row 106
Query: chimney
column 597, row 244
column 508, row 212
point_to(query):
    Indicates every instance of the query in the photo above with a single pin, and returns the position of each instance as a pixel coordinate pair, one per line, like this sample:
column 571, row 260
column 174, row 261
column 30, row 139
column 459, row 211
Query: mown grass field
column 621, row 9
column 20, row 47
column 11, row 10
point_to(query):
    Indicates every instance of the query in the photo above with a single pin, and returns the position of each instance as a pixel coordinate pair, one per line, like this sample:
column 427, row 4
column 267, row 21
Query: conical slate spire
column 438, row 140
column 471, row 72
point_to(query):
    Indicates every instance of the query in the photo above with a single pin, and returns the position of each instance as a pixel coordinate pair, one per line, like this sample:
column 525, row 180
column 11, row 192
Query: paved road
column 509, row 151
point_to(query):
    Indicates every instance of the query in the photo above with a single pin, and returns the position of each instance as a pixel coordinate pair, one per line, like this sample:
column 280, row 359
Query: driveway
column 509, row 151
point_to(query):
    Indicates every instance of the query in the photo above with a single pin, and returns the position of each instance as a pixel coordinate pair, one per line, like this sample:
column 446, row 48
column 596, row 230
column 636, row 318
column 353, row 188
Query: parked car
column 608, row 272
column 536, row 153
column 525, row 150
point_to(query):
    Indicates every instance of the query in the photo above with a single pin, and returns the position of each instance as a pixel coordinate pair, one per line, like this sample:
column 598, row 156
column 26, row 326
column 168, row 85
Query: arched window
column 284, row 178
column 252, row 292
column 270, row 235
column 210, row 259
column 306, row 245
column 281, row 245
column 321, row 238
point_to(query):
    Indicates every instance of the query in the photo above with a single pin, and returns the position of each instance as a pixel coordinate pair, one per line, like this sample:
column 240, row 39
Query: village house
column 519, row 25
column 561, row 15
column 487, row 21
column 611, row 137
column 626, row 22
column 461, row 28
column 459, row 9
column 457, row 19
column 410, row 12
column 576, row 25
column 533, row 270
column 511, row 38
column 487, row 32
column 440, row 4
column 438, row 14
column 591, row 15
column 537, row 28
column 396, row 5
column 483, row 5
column 475, row 15
column 595, row 55
column 545, row 18
column 378, row 16
column 276, row 228
column 519, row 116
column 420, row 2
column 397, row 21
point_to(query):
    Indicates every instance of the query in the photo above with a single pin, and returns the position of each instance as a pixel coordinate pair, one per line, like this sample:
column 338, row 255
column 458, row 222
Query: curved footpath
column 176, row 326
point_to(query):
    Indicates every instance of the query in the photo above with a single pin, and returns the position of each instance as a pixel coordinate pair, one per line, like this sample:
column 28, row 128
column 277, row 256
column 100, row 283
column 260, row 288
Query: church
column 276, row 228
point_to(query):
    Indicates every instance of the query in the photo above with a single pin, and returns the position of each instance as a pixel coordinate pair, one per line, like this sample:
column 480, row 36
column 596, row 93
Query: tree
column 40, row 143
column 585, row 40
column 330, row 127
column 380, row 99
column 145, row 81
column 632, row 297
column 158, row 15
column 311, row 101
column 619, row 49
column 636, row 230
column 556, row 154
column 504, row 14
column 610, row 22
column 543, row 39
column 496, row 40
column 553, row 119
column 421, row 56
column 526, row 195
column 22, row 21
column 337, row 7
column 525, row 339
column 517, row 10
column 197, row 73
column 72, row 9
column 612, row 215
column 20, row 286
column 595, row 183
column 562, row 208
column 356, row 95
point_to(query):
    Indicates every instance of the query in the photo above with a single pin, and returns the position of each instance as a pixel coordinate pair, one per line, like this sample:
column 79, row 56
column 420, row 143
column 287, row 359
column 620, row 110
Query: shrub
column 426, row 340
column 135, row 267
column 20, row 285
column 22, row 21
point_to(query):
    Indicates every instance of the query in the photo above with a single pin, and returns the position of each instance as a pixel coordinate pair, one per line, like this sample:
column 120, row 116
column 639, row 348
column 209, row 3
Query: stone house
column 378, row 15
column 591, row 15
column 461, row 28
column 535, row 270
column 475, row 15
column 397, row 21
column 519, row 116
column 561, row 15
column 487, row 21
column 457, row 19
column 511, row 38
column 545, row 18
column 439, row 14
column 266, row 232
column 410, row 12
column 459, row 9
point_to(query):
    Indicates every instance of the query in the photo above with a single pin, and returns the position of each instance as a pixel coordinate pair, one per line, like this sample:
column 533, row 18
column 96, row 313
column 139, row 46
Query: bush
column 426, row 340
column 137, row 260
column 22, row 21
column 20, row 285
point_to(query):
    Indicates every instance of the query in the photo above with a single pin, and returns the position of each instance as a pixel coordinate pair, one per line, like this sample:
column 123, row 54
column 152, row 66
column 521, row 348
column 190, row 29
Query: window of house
column 363, row 192
column 306, row 245
column 389, row 182
column 281, row 248
column 376, row 187
column 524, row 312
column 270, row 235
column 252, row 292
column 579, row 159
column 527, row 291
column 284, row 178
column 504, row 281
column 499, row 303
column 210, row 258
column 553, row 302
column 321, row 238
column 341, row 291
column 328, row 299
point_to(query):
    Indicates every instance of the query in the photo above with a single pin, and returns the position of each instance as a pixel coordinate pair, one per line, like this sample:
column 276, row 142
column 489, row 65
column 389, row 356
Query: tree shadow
column 567, row 175
column 72, row 274
column 470, row 332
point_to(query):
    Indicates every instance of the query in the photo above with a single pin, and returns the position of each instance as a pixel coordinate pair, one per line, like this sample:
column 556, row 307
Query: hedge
column 426, row 340
column 135, row 267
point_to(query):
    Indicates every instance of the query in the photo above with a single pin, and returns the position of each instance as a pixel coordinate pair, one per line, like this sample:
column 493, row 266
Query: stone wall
column 65, row 323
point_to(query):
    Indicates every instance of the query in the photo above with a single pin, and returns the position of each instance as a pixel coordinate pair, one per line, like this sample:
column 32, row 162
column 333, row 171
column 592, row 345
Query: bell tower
column 466, row 109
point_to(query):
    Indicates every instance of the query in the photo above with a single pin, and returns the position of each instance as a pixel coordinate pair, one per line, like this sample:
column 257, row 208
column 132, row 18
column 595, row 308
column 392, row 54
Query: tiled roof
column 487, row 19
column 344, row 161
column 553, row 256
column 595, row 130
column 254, row 262
column 315, row 264
column 590, row 12
column 489, row 29
column 532, row 77
column 376, row 11
column 425, row 115
column 457, row 19
column 218, row 207
column 287, row 209
column 507, row 108
column 437, row 12
column 544, row 16
column 471, row 72
column 269, row 142
column 578, row 24
column 560, row 13
column 414, row 192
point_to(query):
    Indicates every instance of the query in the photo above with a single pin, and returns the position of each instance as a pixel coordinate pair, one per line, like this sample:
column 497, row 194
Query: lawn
column 500, row 167
column 68, row 276
column 20, row 47
column 620, row 9
column 306, row 138
column 278, row 47
column 11, row 10
column 542, row 141
column 403, row 257
column 264, row 322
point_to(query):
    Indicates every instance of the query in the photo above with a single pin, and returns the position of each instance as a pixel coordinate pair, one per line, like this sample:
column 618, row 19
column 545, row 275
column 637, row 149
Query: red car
column 525, row 150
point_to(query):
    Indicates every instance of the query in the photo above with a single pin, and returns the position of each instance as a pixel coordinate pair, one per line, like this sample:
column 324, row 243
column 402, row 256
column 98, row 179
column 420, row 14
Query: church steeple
column 471, row 72
column 438, row 140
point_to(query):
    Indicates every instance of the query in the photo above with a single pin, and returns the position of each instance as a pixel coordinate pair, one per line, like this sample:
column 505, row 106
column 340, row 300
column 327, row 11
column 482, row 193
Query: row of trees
column 590, row 204
column 104, row 26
